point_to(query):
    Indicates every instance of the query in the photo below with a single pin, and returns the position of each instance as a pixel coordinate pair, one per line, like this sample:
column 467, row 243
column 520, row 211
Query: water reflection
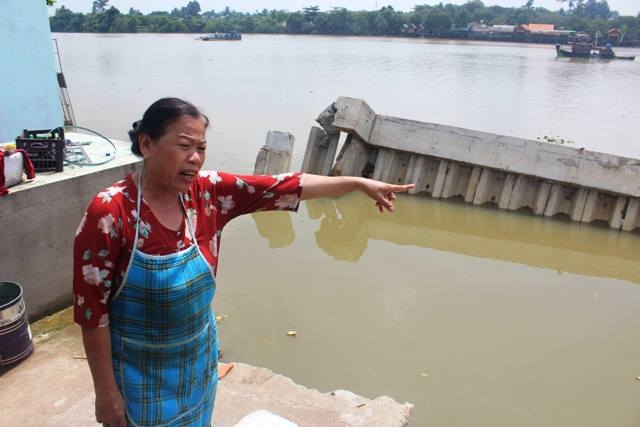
column 481, row 300
column 276, row 229
column 348, row 224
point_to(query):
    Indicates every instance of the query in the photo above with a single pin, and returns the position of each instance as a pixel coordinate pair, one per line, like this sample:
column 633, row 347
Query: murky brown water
column 480, row 317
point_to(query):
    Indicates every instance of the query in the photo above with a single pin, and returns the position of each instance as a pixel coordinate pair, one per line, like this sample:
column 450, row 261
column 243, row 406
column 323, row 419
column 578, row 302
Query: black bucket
column 15, row 334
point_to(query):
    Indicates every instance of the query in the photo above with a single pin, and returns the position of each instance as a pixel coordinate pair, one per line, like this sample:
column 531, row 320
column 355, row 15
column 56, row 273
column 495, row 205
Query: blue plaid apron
column 163, row 337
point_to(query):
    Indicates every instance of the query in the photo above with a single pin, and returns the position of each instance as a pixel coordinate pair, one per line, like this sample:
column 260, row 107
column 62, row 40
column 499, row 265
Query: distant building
column 614, row 36
column 503, row 28
column 478, row 27
column 539, row 28
column 482, row 31
column 541, row 33
column 526, row 33
column 529, row 33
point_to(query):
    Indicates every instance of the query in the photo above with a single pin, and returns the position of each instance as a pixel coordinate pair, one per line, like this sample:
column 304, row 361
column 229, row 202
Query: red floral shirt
column 104, row 240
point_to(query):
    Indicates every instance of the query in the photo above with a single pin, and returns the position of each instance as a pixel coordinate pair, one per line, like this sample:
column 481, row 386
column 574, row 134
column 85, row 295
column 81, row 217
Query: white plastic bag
column 264, row 418
column 13, row 169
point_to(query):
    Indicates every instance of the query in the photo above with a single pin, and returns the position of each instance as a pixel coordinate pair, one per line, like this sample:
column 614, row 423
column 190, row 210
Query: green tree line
column 440, row 20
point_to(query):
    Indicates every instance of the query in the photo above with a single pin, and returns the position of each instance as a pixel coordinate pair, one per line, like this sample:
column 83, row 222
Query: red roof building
column 614, row 36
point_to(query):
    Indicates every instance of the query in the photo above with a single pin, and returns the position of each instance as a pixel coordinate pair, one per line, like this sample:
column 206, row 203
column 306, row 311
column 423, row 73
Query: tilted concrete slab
column 534, row 158
column 479, row 167
column 354, row 116
column 506, row 153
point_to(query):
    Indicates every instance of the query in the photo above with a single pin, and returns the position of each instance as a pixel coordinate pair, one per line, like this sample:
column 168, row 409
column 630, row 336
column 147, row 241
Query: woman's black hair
column 158, row 116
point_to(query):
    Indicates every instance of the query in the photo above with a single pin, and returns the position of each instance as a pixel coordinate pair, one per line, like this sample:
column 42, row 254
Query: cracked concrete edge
column 247, row 389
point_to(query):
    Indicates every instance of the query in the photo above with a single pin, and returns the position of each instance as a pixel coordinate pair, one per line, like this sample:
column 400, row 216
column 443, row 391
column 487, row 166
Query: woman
column 145, row 256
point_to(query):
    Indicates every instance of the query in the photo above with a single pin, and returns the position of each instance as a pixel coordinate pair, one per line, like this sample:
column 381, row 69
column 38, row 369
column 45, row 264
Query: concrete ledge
column 40, row 218
column 53, row 388
column 247, row 389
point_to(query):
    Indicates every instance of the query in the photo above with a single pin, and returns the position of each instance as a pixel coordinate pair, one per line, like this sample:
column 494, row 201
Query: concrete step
column 53, row 388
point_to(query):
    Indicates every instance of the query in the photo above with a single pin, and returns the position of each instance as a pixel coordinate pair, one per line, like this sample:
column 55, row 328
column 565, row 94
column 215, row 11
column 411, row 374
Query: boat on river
column 230, row 36
column 588, row 51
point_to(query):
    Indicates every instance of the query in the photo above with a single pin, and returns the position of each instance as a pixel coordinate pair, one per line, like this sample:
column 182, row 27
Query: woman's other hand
column 109, row 402
column 110, row 408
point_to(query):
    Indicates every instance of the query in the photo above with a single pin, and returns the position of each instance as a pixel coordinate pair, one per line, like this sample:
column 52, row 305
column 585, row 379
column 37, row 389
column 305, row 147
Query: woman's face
column 173, row 161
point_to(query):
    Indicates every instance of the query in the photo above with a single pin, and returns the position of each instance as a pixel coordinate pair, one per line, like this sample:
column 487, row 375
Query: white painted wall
column 29, row 97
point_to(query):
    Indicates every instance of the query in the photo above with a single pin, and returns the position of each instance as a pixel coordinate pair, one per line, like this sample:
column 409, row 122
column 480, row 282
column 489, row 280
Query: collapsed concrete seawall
column 445, row 162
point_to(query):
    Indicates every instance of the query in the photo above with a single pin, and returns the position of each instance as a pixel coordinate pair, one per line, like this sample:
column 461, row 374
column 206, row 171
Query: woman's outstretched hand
column 314, row 186
column 383, row 193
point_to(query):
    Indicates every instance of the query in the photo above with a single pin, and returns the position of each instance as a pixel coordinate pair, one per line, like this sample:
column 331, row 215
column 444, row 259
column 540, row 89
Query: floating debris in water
column 292, row 333
column 424, row 374
column 360, row 405
column 222, row 317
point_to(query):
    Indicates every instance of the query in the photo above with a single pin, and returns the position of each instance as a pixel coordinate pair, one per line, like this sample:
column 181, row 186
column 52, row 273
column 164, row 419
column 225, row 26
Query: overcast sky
column 625, row 7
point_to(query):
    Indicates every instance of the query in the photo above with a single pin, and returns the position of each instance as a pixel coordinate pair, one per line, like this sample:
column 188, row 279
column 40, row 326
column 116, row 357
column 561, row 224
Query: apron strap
column 135, row 240
column 186, row 214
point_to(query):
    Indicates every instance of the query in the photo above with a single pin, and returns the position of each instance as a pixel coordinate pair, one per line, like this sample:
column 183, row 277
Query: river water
column 477, row 316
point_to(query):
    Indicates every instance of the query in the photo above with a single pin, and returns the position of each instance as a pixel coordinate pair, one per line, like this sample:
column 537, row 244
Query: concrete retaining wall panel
column 523, row 195
column 456, row 181
column 532, row 158
column 472, row 185
column 441, row 176
column 382, row 170
column 352, row 158
column 511, row 173
column 543, row 193
column 489, row 187
column 632, row 215
column 507, row 191
column 579, row 204
column 617, row 214
column 559, row 197
column 320, row 152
